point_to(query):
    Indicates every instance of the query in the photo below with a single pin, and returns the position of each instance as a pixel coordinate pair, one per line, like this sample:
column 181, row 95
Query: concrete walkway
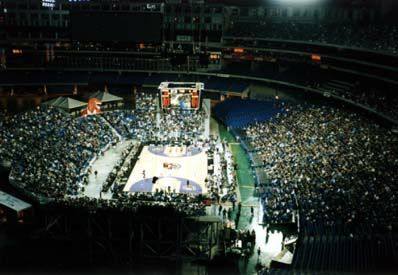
column 104, row 165
column 270, row 243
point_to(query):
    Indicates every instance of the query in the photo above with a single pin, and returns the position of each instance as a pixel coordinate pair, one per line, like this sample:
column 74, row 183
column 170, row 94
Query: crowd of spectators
column 335, row 168
column 146, row 124
column 378, row 99
column 371, row 37
column 138, row 123
column 124, row 121
column 183, row 203
column 373, row 99
column 50, row 150
column 181, row 125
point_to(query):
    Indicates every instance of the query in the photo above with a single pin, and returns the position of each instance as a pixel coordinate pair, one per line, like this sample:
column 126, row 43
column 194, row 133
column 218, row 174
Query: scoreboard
column 180, row 95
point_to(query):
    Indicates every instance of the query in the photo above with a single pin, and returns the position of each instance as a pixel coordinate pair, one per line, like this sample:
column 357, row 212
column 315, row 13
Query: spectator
column 336, row 168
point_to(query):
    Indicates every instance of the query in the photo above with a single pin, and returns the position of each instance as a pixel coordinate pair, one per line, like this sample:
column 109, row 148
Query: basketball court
column 178, row 169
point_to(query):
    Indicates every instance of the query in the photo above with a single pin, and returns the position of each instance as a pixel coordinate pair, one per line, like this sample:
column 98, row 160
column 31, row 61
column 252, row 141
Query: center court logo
column 171, row 166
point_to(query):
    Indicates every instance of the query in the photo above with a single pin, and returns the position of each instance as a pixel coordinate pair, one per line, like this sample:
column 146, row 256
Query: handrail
column 339, row 46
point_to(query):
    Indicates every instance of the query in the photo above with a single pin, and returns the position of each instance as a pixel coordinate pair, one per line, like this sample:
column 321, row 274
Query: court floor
column 178, row 169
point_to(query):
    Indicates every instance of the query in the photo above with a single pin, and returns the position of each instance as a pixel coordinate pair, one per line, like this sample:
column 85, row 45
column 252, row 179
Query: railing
column 303, row 42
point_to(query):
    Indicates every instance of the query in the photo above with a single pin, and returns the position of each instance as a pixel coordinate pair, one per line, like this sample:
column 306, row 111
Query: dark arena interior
column 199, row 137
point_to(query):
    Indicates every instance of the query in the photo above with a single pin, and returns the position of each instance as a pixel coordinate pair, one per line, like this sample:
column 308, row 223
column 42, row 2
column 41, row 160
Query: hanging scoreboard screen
column 180, row 95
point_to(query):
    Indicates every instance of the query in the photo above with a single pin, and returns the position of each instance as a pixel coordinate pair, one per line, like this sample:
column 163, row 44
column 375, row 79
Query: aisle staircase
column 115, row 132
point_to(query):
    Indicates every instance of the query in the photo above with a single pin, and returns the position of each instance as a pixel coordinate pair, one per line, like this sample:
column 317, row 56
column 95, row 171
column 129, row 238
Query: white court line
column 193, row 168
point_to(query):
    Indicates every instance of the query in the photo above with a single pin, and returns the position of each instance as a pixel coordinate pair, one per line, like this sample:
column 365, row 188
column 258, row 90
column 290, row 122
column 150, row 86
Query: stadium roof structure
column 105, row 97
column 12, row 202
column 65, row 103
